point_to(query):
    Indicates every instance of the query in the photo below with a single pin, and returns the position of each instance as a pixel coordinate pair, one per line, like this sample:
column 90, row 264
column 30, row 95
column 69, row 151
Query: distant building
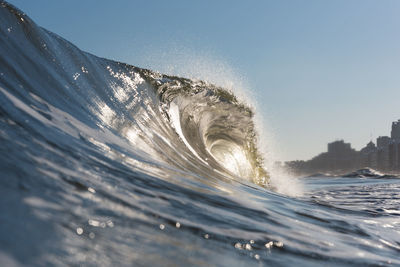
column 368, row 156
column 395, row 133
column 394, row 146
column 341, row 157
column 339, row 147
column 394, row 154
column 382, row 144
column 382, row 141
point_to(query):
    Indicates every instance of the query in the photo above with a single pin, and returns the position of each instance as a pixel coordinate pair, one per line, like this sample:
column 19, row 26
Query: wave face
column 105, row 163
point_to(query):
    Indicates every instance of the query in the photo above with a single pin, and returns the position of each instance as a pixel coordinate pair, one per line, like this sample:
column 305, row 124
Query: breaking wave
column 103, row 163
column 191, row 126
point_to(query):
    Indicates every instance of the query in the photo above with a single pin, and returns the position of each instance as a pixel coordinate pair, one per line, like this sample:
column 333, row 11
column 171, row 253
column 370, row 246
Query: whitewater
column 103, row 163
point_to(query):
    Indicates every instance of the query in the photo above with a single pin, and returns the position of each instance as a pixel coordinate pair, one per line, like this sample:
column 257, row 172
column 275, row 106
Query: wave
column 191, row 126
column 103, row 163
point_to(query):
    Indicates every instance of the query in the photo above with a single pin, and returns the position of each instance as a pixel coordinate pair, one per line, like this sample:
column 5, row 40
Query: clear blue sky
column 320, row 70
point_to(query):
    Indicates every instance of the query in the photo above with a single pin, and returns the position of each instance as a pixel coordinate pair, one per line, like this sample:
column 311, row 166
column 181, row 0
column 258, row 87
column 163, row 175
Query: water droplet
column 162, row 226
column 79, row 231
column 91, row 190
column 238, row 245
column 178, row 225
column 257, row 257
column 269, row 244
column 92, row 235
column 94, row 223
column 206, row 236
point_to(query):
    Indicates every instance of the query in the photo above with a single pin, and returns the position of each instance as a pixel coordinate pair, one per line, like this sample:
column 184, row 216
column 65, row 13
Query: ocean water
column 103, row 163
